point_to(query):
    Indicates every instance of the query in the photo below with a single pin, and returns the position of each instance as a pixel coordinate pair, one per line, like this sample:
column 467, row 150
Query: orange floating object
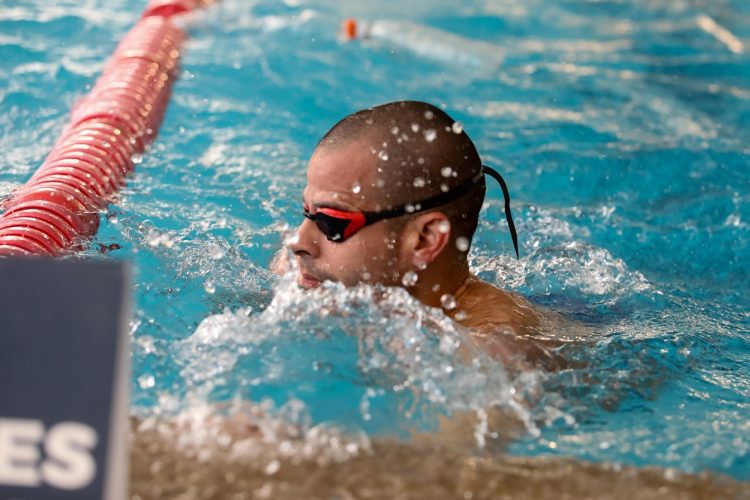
column 349, row 29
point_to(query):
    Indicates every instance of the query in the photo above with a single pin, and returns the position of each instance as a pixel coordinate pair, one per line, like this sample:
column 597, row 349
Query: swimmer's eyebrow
column 333, row 205
column 327, row 204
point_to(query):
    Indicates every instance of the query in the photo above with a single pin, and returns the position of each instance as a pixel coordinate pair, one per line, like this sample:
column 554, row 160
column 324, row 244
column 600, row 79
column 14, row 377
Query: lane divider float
column 57, row 210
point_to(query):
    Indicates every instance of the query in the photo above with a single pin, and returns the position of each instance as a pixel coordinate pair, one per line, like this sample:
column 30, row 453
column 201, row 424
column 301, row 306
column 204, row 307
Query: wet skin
column 346, row 177
column 370, row 256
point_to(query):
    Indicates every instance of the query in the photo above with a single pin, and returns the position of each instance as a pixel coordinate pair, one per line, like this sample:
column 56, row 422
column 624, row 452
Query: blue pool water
column 621, row 127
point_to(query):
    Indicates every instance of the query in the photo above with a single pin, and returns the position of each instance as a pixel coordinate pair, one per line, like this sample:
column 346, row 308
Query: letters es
column 68, row 463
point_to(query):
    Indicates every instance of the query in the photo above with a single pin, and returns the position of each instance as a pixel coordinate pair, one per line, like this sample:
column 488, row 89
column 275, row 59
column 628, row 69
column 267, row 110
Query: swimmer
column 393, row 198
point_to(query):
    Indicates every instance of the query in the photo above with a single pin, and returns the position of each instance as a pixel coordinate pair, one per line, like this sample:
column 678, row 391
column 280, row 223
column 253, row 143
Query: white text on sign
column 68, row 462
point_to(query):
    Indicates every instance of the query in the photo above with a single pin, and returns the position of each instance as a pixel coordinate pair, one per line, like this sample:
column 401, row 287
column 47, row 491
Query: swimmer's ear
column 432, row 234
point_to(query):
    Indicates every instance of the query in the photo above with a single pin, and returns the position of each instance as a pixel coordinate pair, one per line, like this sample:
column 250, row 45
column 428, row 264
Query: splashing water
column 620, row 128
column 407, row 364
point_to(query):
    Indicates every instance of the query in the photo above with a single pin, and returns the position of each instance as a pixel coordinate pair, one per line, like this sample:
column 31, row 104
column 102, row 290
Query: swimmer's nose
column 305, row 241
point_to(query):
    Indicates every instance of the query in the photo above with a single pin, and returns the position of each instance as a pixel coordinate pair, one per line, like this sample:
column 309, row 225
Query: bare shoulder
column 489, row 307
column 512, row 328
column 481, row 305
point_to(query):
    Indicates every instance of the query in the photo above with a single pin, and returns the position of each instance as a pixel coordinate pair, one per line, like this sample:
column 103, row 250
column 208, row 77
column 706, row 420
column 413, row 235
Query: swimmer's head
column 393, row 197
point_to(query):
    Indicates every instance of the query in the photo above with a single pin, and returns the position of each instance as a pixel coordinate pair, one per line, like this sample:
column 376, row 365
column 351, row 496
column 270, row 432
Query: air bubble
column 457, row 127
column 430, row 135
column 419, row 182
column 409, row 279
column 383, row 155
column 448, row 302
column 462, row 243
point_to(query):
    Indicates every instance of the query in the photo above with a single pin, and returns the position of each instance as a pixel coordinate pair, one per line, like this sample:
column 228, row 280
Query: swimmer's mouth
column 308, row 281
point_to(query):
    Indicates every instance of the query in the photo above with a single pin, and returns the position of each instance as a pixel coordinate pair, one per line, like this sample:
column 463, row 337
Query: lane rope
column 57, row 210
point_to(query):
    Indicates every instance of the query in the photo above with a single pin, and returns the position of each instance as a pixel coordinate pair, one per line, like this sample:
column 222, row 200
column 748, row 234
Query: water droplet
column 409, row 208
column 415, row 127
column 394, row 131
column 380, row 183
column 292, row 240
column 460, row 316
column 383, row 155
column 444, row 226
column 419, row 182
column 436, row 287
column 457, row 127
column 146, row 343
column 446, row 171
column 462, row 243
column 429, row 115
column 136, row 159
column 448, row 302
column 272, row 467
column 153, row 238
column 430, row 135
column 444, row 187
column 215, row 251
column 146, row 381
column 209, row 287
column 356, row 188
column 420, row 161
column 448, row 344
column 410, row 278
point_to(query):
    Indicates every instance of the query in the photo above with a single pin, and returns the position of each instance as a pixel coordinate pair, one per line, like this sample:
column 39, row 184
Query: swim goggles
column 338, row 225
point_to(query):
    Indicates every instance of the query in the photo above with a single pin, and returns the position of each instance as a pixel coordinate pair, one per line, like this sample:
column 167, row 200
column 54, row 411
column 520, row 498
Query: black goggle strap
column 499, row 178
column 428, row 204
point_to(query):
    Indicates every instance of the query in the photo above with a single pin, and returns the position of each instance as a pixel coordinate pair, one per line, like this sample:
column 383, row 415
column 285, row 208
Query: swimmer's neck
column 437, row 281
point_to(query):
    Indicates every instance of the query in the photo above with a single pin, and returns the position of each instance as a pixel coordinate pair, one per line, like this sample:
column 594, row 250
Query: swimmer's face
column 345, row 177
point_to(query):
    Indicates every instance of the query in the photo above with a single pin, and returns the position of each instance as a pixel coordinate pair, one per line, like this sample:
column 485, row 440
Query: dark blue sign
column 63, row 379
